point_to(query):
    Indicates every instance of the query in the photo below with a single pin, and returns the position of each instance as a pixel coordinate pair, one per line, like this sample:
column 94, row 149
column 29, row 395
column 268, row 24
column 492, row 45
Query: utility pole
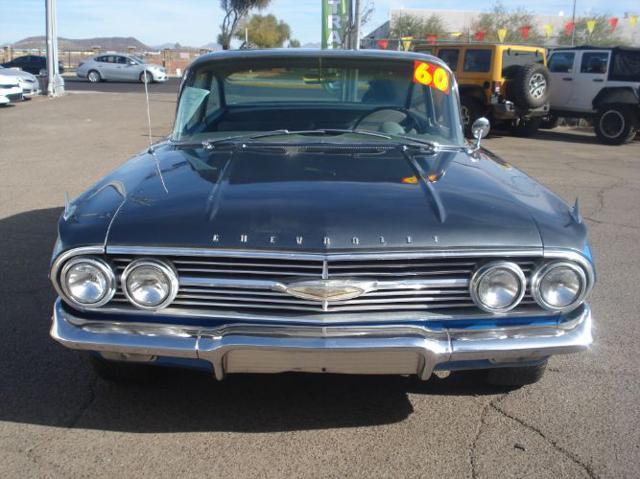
column 356, row 25
column 573, row 22
column 55, row 83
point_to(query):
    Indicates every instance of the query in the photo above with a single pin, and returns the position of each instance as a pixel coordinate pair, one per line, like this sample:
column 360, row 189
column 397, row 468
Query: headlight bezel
column 482, row 271
column 99, row 264
column 165, row 268
column 545, row 268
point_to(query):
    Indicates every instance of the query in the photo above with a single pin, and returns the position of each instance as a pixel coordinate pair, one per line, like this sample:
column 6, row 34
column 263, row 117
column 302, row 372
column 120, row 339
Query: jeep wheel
column 525, row 127
column 516, row 376
column 549, row 122
column 470, row 111
column 528, row 86
column 614, row 125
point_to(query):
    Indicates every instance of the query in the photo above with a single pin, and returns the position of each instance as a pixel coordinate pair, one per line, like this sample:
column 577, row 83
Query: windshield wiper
column 403, row 140
column 211, row 143
column 318, row 131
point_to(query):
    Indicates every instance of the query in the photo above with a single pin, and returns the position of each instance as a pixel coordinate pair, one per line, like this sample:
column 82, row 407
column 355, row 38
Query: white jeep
column 601, row 84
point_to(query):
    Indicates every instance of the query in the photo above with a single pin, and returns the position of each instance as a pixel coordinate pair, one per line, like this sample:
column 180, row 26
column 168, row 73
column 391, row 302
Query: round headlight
column 558, row 286
column 497, row 287
column 88, row 282
column 149, row 283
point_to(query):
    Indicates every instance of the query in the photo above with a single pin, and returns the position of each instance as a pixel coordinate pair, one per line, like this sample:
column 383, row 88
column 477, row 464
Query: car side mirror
column 131, row 62
column 480, row 129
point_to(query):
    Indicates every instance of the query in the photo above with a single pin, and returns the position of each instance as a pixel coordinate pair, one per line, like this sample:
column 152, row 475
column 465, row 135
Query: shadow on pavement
column 43, row 383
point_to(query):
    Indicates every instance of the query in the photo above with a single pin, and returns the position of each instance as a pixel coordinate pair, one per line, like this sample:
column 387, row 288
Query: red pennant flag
column 479, row 36
column 383, row 44
column 568, row 28
column 524, row 32
column 432, row 38
column 613, row 22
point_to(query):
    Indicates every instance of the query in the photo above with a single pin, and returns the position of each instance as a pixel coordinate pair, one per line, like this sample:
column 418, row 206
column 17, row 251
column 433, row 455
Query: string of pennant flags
column 479, row 36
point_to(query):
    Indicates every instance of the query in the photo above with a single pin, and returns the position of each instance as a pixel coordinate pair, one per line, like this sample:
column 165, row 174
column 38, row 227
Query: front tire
column 146, row 77
column 614, row 125
column 549, row 122
column 94, row 76
column 516, row 376
column 470, row 110
column 525, row 128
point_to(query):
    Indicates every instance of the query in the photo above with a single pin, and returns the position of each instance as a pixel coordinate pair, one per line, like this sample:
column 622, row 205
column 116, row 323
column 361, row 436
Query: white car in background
column 29, row 83
column 120, row 67
column 10, row 89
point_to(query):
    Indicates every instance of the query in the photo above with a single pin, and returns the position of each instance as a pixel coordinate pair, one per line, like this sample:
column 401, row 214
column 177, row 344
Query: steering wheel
column 408, row 123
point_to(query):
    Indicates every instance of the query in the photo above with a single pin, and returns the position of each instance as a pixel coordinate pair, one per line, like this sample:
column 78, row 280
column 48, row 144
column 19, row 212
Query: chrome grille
column 246, row 284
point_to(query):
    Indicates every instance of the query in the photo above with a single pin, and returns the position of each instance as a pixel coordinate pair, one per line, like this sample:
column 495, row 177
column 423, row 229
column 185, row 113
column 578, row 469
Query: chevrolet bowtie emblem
column 326, row 290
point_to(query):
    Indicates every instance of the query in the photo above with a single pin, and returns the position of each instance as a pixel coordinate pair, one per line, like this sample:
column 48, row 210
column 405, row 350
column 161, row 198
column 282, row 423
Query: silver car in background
column 28, row 82
column 120, row 67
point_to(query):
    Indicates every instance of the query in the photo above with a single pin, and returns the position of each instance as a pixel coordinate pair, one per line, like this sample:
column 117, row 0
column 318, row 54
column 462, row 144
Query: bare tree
column 407, row 25
column 512, row 20
column 366, row 12
column 234, row 11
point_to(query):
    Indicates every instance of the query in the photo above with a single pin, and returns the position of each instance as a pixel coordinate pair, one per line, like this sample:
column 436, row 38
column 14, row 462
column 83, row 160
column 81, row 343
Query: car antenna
column 151, row 151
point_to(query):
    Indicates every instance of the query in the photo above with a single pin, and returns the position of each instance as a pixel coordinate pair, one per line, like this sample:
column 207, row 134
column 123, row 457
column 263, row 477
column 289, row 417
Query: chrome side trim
column 401, row 349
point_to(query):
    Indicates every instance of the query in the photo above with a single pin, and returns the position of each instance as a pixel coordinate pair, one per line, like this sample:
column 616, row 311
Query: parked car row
column 523, row 88
column 17, row 85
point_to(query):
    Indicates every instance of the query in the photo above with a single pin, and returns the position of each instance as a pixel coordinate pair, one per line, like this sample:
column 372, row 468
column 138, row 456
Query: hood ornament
column 326, row 290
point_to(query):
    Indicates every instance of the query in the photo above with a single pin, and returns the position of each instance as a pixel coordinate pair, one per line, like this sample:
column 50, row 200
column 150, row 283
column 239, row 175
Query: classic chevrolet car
column 341, row 225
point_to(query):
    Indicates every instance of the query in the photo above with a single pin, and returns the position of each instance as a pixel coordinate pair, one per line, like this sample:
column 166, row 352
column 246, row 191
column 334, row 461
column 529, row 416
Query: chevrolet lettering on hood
column 321, row 212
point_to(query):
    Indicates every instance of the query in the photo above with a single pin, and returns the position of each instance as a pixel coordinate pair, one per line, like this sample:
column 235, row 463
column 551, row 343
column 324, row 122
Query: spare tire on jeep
column 528, row 85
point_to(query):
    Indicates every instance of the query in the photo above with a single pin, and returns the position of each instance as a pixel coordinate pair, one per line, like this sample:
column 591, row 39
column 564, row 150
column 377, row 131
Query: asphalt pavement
column 74, row 84
column 57, row 419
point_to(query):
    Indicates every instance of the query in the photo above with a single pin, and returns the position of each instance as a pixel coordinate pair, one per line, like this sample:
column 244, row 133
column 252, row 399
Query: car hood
column 7, row 79
column 11, row 72
column 329, row 199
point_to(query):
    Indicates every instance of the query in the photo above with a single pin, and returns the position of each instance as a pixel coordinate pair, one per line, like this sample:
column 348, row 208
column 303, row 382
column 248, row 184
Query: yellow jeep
column 507, row 83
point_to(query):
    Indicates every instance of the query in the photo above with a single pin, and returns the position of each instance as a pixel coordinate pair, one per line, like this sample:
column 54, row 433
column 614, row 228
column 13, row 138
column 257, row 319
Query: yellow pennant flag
column 591, row 25
column 548, row 30
column 633, row 19
column 456, row 34
column 502, row 34
column 406, row 43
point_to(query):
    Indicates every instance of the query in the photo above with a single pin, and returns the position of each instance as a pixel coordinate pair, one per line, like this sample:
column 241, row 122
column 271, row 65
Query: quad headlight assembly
column 149, row 283
column 559, row 285
column 88, row 282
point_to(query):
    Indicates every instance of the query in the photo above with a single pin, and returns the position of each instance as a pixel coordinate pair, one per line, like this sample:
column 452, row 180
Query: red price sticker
column 432, row 76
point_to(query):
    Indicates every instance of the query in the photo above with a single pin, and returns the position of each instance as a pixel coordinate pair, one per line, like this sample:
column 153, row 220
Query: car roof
column 278, row 53
column 589, row 47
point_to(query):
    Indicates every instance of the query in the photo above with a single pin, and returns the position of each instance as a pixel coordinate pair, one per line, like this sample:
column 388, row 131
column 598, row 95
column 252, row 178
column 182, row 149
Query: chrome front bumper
column 388, row 349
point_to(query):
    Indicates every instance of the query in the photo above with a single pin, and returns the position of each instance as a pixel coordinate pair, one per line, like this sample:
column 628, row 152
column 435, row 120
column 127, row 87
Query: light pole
column 55, row 83
column 356, row 26
column 573, row 23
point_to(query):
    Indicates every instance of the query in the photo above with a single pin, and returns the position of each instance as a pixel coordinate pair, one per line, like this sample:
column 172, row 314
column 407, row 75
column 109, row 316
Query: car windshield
column 395, row 98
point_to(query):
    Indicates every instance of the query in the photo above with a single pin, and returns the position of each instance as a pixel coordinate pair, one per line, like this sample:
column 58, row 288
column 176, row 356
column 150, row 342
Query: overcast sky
column 196, row 22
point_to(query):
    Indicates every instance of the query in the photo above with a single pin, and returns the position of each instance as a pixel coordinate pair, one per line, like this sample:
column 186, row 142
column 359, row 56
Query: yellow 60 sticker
column 432, row 76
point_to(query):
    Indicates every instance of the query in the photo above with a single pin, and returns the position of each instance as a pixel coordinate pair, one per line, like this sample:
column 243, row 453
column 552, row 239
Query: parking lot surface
column 57, row 419
column 73, row 84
